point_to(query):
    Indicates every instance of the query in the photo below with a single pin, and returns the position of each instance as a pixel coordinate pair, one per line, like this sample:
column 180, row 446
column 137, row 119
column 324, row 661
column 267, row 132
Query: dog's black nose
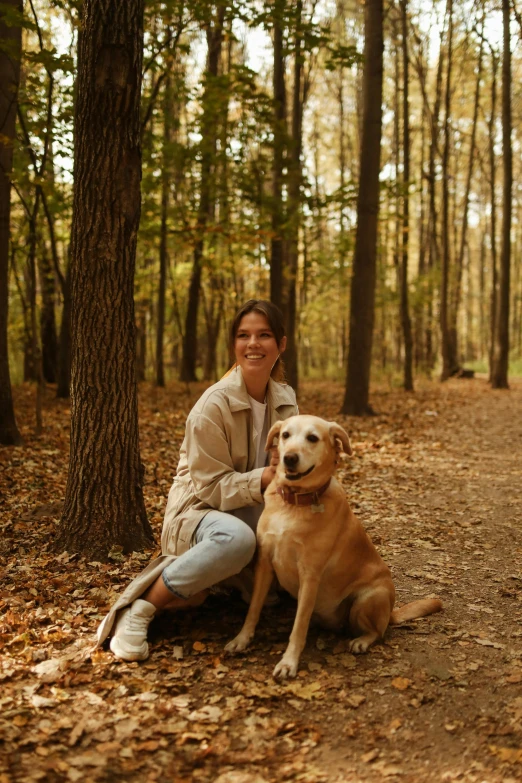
column 291, row 459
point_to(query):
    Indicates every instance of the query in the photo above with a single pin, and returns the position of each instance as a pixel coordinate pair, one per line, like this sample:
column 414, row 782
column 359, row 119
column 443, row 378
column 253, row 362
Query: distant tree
column 10, row 53
column 362, row 299
column 209, row 133
column 277, row 245
column 104, row 503
column 404, row 297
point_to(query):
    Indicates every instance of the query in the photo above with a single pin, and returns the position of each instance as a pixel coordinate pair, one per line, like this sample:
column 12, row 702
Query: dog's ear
column 274, row 432
column 340, row 439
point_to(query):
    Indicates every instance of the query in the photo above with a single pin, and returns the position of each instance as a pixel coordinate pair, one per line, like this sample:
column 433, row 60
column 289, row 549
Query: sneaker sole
column 129, row 654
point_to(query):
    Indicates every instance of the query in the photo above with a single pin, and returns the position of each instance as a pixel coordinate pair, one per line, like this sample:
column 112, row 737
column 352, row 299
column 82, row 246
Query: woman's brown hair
column 274, row 316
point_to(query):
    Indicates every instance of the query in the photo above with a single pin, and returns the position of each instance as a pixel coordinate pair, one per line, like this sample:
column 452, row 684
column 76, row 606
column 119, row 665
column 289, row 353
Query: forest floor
column 436, row 478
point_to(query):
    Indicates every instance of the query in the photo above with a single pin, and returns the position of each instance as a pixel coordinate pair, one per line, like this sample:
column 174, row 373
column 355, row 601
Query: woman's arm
column 215, row 480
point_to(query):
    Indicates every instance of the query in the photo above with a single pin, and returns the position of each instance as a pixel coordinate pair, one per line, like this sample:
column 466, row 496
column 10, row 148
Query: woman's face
column 255, row 346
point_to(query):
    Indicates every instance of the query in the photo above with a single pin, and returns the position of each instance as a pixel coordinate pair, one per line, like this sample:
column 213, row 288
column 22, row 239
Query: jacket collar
column 278, row 395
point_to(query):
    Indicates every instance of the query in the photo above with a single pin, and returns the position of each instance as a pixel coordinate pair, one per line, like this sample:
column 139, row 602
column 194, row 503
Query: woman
column 216, row 498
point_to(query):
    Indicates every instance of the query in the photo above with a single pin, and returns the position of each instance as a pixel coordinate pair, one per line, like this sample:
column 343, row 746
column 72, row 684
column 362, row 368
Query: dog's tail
column 414, row 610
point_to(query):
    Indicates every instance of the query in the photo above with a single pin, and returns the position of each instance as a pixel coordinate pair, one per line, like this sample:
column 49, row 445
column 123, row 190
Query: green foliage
column 238, row 146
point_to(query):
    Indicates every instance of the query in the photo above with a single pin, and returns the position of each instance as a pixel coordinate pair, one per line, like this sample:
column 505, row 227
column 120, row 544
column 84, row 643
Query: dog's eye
column 312, row 438
column 285, row 435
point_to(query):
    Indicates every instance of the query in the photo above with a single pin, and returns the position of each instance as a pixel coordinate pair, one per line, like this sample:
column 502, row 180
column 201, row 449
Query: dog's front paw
column 285, row 668
column 238, row 644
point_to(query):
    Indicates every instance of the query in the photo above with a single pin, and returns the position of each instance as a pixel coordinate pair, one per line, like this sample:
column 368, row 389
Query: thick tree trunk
column 449, row 360
column 404, row 294
column 294, row 207
column 500, row 372
column 209, row 129
column 277, row 245
column 362, row 299
column 104, row 503
column 9, row 80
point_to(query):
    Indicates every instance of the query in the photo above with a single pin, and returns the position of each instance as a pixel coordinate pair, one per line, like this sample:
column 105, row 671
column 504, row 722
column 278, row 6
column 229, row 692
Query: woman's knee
column 236, row 538
column 245, row 544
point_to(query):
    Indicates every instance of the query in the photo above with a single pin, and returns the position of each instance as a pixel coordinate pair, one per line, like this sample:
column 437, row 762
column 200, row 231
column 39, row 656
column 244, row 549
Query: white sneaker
column 129, row 640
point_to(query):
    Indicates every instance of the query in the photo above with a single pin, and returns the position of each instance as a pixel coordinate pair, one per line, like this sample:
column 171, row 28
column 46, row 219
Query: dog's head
column 308, row 449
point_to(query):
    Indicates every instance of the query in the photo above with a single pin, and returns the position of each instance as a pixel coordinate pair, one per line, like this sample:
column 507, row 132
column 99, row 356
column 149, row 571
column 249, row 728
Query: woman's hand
column 266, row 476
column 270, row 470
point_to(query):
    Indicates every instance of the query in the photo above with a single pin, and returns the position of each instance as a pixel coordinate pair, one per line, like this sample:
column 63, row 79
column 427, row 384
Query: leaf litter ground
column 436, row 480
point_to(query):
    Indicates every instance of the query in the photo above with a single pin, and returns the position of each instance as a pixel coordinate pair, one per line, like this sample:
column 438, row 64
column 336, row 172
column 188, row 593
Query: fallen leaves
column 401, row 683
column 509, row 755
column 426, row 692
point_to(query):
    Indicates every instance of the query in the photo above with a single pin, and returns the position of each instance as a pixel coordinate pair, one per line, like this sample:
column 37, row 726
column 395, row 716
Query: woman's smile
column 255, row 345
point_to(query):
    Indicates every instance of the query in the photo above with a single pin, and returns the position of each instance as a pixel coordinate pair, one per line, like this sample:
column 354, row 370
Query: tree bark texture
column 362, row 298
column 9, row 81
column 500, row 372
column 104, row 503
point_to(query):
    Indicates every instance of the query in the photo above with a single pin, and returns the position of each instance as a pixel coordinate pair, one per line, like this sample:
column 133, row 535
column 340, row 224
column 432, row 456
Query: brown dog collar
column 303, row 498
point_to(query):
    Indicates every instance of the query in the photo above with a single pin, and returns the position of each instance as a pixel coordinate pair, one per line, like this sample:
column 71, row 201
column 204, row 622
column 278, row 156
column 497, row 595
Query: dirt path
column 436, row 479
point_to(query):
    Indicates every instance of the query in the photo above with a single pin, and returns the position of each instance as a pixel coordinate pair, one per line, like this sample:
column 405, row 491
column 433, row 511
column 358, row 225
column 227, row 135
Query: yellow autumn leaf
column 401, row 683
column 510, row 755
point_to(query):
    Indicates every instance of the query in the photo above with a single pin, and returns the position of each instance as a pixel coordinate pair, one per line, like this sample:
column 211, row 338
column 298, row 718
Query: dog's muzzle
column 297, row 476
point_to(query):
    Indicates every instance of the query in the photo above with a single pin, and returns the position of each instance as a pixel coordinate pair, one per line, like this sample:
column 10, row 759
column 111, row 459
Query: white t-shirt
column 260, row 426
column 251, row 514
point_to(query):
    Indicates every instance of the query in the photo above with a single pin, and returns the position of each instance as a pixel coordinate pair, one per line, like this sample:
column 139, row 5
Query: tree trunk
column 9, row 80
column 163, row 250
column 36, row 352
column 210, row 121
column 449, row 360
column 459, row 266
column 404, row 297
column 294, row 206
column 362, row 299
column 277, row 260
column 500, row 373
column 493, row 208
column 434, row 245
column 104, row 504
column 48, row 334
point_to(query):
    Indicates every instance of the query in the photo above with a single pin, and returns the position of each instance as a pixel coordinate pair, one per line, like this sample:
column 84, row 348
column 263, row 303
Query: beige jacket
column 217, row 457
column 215, row 470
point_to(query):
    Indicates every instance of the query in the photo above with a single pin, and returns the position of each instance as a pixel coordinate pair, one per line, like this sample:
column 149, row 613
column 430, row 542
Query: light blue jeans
column 221, row 546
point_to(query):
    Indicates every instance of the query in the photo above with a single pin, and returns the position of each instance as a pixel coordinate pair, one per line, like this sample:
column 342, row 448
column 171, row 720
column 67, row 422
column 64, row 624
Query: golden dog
column 318, row 549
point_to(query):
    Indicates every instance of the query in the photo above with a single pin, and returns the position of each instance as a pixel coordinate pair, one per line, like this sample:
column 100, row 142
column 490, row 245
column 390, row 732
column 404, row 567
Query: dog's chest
column 294, row 551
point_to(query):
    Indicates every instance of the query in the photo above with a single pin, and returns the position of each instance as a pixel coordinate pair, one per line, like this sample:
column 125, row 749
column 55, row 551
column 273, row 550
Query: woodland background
column 251, row 155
